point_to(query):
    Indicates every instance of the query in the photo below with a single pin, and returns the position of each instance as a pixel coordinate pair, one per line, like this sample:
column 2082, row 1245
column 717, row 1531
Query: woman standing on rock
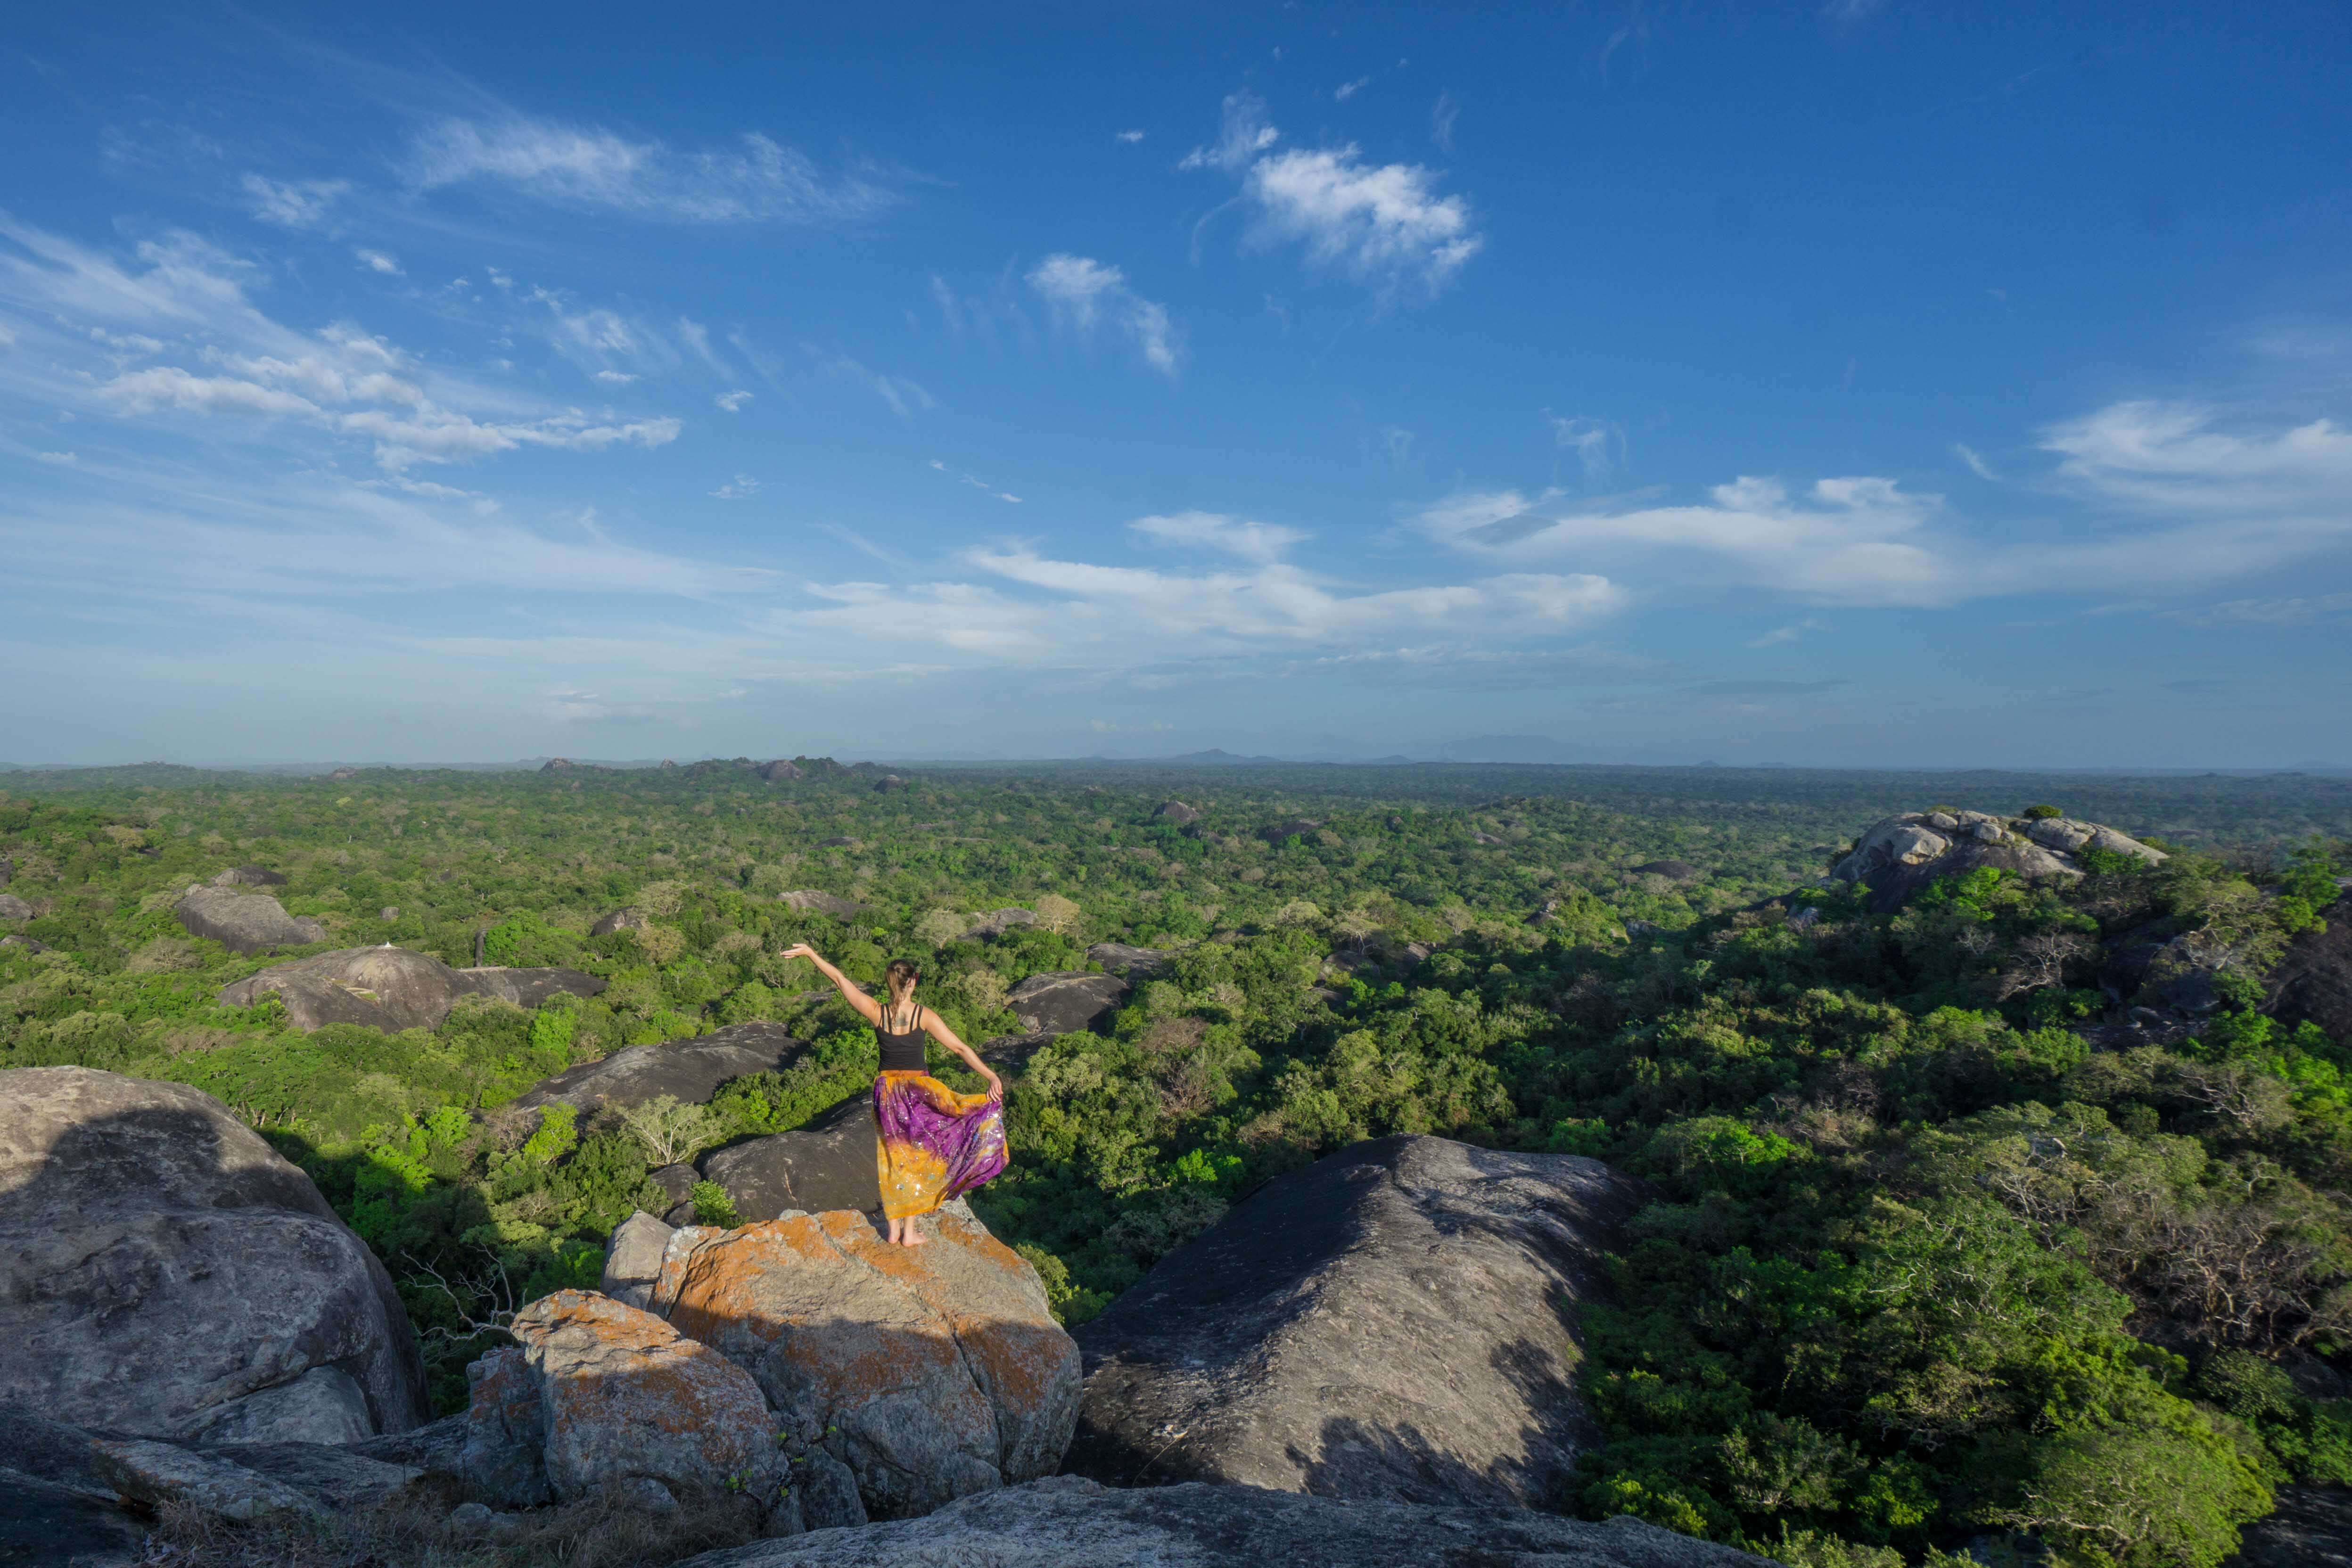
column 934, row 1143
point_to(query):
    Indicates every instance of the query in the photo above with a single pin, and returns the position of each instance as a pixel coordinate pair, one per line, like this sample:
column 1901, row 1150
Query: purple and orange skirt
column 934, row 1143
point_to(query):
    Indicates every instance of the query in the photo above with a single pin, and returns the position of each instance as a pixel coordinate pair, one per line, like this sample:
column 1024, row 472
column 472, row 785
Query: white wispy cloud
column 615, row 378
column 1347, row 89
column 585, row 167
column 1976, row 463
column 903, row 394
column 62, row 459
column 1082, row 292
column 1599, row 443
column 732, row 401
column 1129, row 137
column 291, row 203
column 975, row 481
column 1251, row 541
column 379, row 261
column 1780, row 634
column 1442, row 116
column 2295, row 611
column 742, row 487
column 1381, row 224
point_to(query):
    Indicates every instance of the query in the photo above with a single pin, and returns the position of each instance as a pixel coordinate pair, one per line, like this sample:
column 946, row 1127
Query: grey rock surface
column 1067, row 1521
column 780, row 772
column 244, row 922
column 503, row 1455
column 333, row 1476
column 33, row 1444
column 1065, row 1001
column 829, row 1164
column 619, row 920
column 2314, row 981
column 251, row 876
column 14, row 908
column 325, row 1405
column 159, row 1259
column 1178, row 812
column 392, row 989
column 1394, row 1321
column 1134, row 963
column 991, row 922
column 45, row 1525
column 1673, row 871
column 2312, row 1529
column 149, row 1472
column 633, row 1259
column 688, row 1069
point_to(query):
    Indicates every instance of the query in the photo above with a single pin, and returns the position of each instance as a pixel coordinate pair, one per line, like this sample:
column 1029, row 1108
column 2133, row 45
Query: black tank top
column 901, row 1052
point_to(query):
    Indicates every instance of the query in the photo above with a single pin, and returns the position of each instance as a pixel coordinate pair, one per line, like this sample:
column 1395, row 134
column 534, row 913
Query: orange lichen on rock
column 938, row 1370
column 622, row 1395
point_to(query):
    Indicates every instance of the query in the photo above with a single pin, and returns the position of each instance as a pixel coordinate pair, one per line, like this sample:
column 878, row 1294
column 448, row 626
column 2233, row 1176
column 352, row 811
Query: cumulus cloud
column 1084, row 292
column 754, row 180
column 1381, row 224
column 291, row 203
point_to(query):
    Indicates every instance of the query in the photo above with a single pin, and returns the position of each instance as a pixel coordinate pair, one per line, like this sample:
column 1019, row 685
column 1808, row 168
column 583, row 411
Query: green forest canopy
column 1922, row 1266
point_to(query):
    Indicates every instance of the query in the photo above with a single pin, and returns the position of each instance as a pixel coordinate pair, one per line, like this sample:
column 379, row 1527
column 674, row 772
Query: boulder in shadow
column 244, row 922
column 1065, row 1001
column 687, row 1070
column 392, row 989
column 827, row 1164
column 1396, row 1321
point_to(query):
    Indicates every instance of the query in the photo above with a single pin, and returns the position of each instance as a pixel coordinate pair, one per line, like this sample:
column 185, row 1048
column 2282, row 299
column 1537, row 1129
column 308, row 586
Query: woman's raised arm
column 856, row 998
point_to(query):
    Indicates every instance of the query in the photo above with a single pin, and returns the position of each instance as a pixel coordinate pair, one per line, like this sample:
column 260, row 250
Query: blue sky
column 1875, row 384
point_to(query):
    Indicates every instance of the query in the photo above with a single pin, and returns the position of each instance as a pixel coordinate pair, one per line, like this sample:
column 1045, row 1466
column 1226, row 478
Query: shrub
column 2040, row 813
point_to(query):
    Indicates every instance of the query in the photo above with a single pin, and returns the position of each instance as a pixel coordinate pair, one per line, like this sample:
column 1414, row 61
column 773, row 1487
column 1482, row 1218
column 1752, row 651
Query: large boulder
column 251, row 876
column 995, row 923
column 779, row 772
column 392, row 989
column 827, row 1164
column 613, row 1394
column 1898, row 857
column 159, row 1261
column 1395, row 1322
column 1134, row 963
column 1068, row 1522
column 1178, row 812
column 932, row 1372
column 14, row 908
column 1065, row 1001
column 2314, row 982
column 687, row 1070
column 244, row 922
column 2310, row 1529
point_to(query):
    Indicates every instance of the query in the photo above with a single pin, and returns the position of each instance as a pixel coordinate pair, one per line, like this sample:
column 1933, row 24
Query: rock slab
column 393, row 988
column 1897, row 858
column 2313, row 982
column 1066, row 1001
column 932, row 1372
column 827, row 1164
column 1394, row 1322
column 244, row 922
column 159, row 1260
column 1069, row 1522
column 689, row 1071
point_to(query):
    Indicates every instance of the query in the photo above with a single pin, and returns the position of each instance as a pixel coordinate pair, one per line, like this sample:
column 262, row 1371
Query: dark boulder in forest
column 14, row 908
column 808, row 900
column 620, row 920
column 1396, row 1321
column 251, row 876
column 1178, row 812
column 1135, row 963
column 1065, row 1001
column 1070, row 1520
column 1296, row 828
column 827, row 1164
column 2314, row 982
column 779, row 771
column 887, row 783
column 244, row 922
column 160, row 1263
column 1673, row 871
column 687, row 1070
column 2312, row 1529
column 392, row 989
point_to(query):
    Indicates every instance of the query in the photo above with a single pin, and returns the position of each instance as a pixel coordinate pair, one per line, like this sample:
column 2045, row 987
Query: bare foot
column 915, row 1238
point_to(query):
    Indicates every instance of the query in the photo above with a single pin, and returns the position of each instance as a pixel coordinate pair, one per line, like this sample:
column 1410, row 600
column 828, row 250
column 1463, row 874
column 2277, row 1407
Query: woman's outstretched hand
column 800, row 950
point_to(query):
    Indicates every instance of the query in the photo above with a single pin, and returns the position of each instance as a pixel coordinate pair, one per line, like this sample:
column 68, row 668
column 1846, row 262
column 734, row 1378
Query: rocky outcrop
column 827, row 1164
column 392, row 989
column 244, row 922
column 14, row 908
column 620, row 920
column 1296, row 828
column 779, row 771
column 251, row 876
column 688, row 1069
column 1178, row 812
column 1673, row 871
column 1134, row 963
column 1395, row 1323
column 1065, row 1001
column 823, row 903
column 1068, row 1522
column 2313, row 982
column 325, row 1405
column 932, row 1372
column 889, row 783
column 2312, row 1529
column 622, row 1395
column 1898, row 857
column 995, row 923
column 159, row 1263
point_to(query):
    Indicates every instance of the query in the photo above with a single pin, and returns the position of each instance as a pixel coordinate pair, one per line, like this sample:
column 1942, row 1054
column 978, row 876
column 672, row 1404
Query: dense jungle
column 1947, row 1245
